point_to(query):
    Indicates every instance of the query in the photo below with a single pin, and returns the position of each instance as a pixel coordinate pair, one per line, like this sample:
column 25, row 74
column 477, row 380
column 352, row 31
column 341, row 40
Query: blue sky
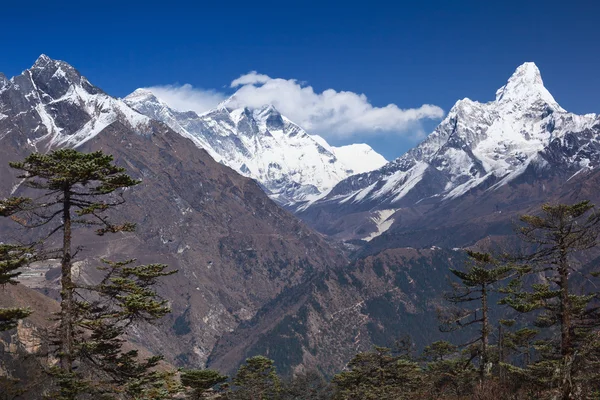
column 400, row 52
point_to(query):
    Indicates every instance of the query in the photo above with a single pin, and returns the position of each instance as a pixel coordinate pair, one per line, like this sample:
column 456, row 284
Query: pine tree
column 11, row 259
column 78, row 189
column 520, row 342
column 257, row 379
column 439, row 350
column 476, row 284
column 309, row 385
column 200, row 381
column 558, row 235
column 453, row 376
column 378, row 375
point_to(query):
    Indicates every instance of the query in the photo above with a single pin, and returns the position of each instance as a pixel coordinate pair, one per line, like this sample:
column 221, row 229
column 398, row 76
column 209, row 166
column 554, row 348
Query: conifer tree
column 439, row 350
column 378, row 375
column 520, row 342
column 448, row 371
column 77, row 190
column 257, row 379
column 476, row 284
column 201, row 381
column 557, row 236
column 12, row 258
column 309, row 385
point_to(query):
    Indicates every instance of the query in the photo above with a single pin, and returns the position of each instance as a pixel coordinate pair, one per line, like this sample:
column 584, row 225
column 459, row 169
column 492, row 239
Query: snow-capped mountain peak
column 525, row 88
column 57, row 106
column 289, row 163
column 143, row 95
column 42, row 62
column 479, row 146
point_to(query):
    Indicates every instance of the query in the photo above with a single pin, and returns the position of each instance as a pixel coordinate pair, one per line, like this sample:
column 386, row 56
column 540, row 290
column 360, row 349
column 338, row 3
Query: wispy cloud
column 188, row 98
column 328, row 113
column 251, row 78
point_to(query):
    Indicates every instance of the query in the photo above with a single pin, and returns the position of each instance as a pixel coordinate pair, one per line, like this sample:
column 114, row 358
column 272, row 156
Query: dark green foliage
column 520, row 343
column 201, row 381
column 66, row 168
column 11, row 259
column 84, row 184
column 439, row 351
column 9, row 317
column 378, row 375
column 308, row 385
column 558, row 236
column 125, row 296
column 77, row 190
column 452, row 377
column 256, row 380
column 480, row 278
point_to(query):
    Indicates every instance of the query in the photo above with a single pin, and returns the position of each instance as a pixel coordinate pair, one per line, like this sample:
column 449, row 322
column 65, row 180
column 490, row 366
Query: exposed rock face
column 290, row 164
column 234, row 248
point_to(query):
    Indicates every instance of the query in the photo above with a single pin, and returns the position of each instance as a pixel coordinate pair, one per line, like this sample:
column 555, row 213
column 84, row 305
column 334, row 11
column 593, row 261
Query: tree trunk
column 500, row 352
column 485, row 331
column 566, row 347
column 66, row 304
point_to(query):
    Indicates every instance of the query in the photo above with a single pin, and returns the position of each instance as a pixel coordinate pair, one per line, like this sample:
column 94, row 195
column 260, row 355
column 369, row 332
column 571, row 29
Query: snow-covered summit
column 526, row 88
column 479, row 145
column 260, row 143
column 56, row 106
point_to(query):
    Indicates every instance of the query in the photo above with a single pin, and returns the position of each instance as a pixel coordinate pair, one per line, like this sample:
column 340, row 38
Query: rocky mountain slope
column 463, row 187
column 324, row 322
column 290, row 164
column 478, row 147
column 234, row 248
column 391, row 290
column 253, row 279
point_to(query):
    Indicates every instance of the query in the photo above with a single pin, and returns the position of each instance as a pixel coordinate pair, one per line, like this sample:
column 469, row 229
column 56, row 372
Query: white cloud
column 188, row 98
column 329, row 113
column 250, row 78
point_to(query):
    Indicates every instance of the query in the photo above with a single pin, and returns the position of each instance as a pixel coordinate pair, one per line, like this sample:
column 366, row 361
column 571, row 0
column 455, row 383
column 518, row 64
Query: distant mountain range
column 408, row 222
column 235, row 249
column 290, row 164
column 478, row 148
column 253, row 278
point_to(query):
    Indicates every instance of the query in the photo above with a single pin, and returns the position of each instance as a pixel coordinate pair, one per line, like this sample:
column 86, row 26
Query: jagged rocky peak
column 478, row 146
column 526, row 87
column 55, row 78
column 53, row 105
